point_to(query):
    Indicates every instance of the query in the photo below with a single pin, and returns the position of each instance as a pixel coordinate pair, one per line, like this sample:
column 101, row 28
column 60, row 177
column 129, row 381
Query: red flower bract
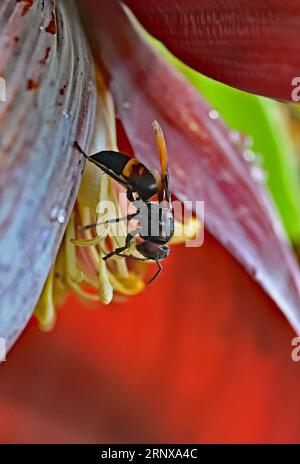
column 252, row 45
column 50, row 102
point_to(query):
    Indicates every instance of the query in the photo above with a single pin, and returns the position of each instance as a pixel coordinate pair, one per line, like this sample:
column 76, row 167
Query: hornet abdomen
column 137, row 176
column 112, row 160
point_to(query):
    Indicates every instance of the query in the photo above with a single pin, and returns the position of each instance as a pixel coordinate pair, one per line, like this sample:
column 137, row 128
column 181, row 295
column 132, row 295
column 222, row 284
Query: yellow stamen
column 186, row 231
column 45, row 310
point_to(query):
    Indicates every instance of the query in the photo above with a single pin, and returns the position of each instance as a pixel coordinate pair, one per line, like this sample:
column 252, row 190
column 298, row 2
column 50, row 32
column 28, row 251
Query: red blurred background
column 201, row 356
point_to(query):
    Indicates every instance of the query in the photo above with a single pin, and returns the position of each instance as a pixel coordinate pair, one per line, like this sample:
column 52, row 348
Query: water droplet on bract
column 125, row 105
column 66, row 114
column 41, row 28
column 259, row 277
column 256, row 274
column 213, row 114
column 249, row 155
column 58, row 215
column 258, row 174
column 236, row 137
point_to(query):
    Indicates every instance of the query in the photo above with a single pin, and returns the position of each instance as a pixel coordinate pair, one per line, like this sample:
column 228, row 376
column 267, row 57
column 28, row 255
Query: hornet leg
column 117, row 251
column 157, row 273
column 110, row 221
